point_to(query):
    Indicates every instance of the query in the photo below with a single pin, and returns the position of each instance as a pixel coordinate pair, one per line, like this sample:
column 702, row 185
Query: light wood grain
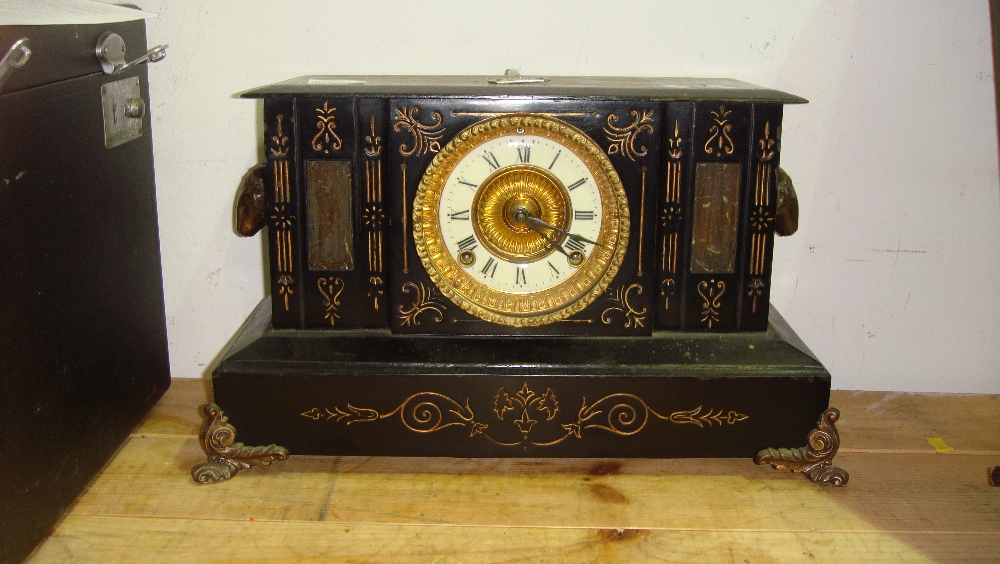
column 904, row 501
column 122, row 539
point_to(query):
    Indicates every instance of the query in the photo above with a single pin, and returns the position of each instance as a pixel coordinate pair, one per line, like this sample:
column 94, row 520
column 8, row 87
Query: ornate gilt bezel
column 528, row 309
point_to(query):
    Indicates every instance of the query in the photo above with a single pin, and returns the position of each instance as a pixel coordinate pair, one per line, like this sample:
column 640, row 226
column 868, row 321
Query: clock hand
column 533, row 222
column 547, row 237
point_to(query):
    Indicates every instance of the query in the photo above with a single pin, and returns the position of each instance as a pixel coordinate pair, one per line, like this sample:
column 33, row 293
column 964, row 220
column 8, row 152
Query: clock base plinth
column 374, row 393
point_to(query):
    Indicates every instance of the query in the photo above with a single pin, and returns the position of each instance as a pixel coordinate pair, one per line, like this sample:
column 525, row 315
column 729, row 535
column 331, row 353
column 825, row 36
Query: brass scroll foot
column 814, row 460
column 225, row 457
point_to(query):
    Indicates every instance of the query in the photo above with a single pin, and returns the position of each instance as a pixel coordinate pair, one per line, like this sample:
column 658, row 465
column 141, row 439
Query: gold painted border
column 536, row 308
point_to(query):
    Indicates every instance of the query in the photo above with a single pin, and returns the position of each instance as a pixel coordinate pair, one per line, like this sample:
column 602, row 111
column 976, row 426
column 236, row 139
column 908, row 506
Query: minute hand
column 533, row 221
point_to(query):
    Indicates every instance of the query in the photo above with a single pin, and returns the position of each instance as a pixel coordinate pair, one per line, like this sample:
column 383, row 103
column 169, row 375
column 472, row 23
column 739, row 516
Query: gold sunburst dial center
column 525, row 188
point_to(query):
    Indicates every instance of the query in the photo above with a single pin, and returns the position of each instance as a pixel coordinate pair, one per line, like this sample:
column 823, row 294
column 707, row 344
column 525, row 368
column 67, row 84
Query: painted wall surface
column 893, row 279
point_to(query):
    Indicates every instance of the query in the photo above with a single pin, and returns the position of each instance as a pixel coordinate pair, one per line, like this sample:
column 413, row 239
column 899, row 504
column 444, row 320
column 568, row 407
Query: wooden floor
column 905, row 501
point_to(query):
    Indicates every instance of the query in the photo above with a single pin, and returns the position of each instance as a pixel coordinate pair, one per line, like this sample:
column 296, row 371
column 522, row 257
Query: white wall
column 893, row 277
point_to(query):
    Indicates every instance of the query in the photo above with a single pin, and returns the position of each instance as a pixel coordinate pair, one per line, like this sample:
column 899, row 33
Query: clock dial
column 521, row 220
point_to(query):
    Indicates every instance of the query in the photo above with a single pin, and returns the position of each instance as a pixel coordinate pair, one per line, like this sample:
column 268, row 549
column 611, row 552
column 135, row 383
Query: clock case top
column 378, row 134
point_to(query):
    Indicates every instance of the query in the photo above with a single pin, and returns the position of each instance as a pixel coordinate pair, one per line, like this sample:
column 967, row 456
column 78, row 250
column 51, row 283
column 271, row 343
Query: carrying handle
column 110, row 50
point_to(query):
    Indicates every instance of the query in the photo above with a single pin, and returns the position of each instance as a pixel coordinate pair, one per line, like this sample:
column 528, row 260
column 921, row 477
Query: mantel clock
column 467, row 266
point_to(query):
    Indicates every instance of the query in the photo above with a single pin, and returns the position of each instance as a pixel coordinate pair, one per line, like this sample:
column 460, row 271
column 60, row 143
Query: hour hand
column 547, row 237
column 534, row 223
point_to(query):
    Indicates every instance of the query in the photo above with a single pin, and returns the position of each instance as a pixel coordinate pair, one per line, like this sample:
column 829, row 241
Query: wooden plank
column 898, row 492
column 179, row 410
column 904, row 421
column 883, row 421
column 123, row 539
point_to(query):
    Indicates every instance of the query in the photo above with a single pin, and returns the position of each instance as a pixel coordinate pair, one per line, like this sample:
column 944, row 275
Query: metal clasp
column 111, row 52
column 16, row 57
column 513, row 76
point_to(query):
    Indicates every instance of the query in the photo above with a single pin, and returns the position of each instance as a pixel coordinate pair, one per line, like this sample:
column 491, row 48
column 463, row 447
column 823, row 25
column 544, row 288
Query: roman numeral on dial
column 490, row 268
column 467, row 183
column 468, row 243
column 524, row 154
column 491, row 160
column 464, row 215
column 576, row 184
column 519, row 277
column 573, row 245
column 580, row 215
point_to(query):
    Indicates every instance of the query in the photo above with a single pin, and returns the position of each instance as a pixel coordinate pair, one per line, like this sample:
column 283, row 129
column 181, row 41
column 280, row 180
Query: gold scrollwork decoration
column 815, row 460
column 620, row 297
column 426, row 136
column 719, row 143
column 423, row 301
column 710, row 300
column 331, row 288
column 327, row 124
column 622, row 139
column 621, row 414
column 225, row 456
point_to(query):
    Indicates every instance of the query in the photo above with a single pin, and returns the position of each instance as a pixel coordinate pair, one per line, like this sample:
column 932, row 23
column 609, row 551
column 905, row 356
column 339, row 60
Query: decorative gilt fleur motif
column 327, row 124
column 621, row 414
column 720, row 143
column 667, row 289
column 426, row 136
column 710, row 300
column 423, row 301
column 285, row 289
column 331, row 288
column 633, row 317
column 622, row 139
column 373, row 142
column 766, row 145
column 525, row 399
column 674, row 143
column 280, row 141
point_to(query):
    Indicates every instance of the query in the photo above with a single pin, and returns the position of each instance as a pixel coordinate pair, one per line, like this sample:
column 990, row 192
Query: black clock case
column 371, row 360
column 662, row 138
